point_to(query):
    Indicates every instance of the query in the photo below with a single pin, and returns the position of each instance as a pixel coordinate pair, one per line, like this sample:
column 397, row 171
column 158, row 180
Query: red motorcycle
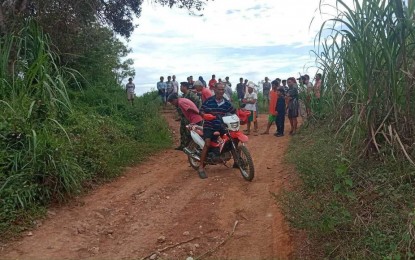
column 230, row 145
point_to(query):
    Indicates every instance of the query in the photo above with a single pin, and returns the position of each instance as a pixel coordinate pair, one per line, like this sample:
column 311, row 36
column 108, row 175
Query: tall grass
column 369, row 75
column 55, row 140
column 356, row 161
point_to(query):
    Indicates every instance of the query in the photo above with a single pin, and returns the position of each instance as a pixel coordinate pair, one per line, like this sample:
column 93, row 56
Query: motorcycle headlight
column 234, row 125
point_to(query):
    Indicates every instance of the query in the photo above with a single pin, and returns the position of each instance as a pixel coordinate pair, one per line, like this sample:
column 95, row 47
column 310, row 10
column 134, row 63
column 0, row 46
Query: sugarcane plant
column 367, row 55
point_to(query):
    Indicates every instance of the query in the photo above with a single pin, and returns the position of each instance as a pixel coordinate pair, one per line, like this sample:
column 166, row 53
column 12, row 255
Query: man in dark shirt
column 215, row 105
column 280, row 113
column 240, row 89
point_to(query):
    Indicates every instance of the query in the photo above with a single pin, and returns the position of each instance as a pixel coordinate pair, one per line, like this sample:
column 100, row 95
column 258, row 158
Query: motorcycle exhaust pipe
column 189, row 153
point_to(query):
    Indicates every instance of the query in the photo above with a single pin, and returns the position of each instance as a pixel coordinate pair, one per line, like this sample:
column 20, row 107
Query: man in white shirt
column 250, row 101
column 175, row 85
column 129, row 88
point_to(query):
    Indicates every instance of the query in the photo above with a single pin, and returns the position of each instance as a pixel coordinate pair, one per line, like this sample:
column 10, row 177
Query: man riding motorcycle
column 216, row 105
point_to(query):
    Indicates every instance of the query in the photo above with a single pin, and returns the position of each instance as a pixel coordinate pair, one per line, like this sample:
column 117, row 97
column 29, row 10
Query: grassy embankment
column 56, row 137
column 355, row 156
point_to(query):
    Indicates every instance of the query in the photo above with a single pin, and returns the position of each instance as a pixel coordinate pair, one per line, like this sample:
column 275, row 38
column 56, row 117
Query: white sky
column 245, row 38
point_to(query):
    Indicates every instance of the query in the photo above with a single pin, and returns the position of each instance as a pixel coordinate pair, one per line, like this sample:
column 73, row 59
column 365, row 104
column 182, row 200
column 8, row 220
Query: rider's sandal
column 202, row 174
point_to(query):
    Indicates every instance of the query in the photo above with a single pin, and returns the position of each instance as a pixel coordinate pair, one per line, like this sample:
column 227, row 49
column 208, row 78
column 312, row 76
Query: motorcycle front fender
column 240, row 136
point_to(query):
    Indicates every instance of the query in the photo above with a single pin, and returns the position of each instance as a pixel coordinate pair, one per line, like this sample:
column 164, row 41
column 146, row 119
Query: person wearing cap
column 215, row 105
column 187, row 93
column 189, row 113
column 250, row 101
column 204, row 92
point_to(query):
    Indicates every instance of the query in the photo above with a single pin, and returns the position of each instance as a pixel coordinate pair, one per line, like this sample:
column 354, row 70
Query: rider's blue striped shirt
column 215, row 107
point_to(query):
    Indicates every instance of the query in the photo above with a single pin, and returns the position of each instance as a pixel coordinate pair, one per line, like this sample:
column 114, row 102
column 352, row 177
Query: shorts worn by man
column 216, row 105
column 129, row 88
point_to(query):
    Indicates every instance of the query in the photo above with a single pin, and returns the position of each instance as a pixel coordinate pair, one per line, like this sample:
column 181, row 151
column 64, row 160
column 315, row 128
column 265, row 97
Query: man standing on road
column 228, row 89
column 266, row 88
column 215, row 105
column 240, row 90
column 175, row 85
column 273, row 97
column 129, row 88
column 161, row 87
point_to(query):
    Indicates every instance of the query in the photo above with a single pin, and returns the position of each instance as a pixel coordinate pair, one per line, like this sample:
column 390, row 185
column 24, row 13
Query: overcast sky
column 246, row 38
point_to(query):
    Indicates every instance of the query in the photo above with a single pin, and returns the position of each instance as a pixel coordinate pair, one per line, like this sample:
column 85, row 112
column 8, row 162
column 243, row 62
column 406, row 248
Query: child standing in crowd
column 280, row 113
column 250, row 100
column 273, row 96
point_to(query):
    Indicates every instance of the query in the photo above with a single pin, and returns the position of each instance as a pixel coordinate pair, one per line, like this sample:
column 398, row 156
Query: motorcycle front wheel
column 193, row 162
column 245, row 163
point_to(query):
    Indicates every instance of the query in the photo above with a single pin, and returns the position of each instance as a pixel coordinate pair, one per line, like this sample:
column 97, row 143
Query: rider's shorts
column 209, row 133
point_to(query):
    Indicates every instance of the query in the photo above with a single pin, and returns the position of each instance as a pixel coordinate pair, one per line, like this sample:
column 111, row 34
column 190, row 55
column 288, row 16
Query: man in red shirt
column 189, row 109
column 212, row 84
column 190, row 114
column 204, row 92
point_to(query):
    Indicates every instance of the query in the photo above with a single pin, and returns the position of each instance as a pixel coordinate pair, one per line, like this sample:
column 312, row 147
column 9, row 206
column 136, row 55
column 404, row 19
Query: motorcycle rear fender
column 240, row 136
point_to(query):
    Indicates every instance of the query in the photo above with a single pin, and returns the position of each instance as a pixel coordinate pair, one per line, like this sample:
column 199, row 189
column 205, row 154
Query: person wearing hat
column 189, row 113
column 250, row 101
column 204, row 92
column 187, row 93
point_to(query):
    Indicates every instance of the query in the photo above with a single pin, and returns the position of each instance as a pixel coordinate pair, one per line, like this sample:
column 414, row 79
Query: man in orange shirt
column 273, row 96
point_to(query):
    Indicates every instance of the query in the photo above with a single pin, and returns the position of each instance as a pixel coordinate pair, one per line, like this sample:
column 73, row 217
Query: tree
column 70, row 14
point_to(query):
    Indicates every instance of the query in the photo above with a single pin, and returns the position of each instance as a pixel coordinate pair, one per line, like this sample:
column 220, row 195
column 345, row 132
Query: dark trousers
column 279, row 122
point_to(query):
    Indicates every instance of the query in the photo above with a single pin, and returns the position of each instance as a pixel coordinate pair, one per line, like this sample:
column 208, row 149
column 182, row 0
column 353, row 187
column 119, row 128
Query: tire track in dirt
column 165, row 197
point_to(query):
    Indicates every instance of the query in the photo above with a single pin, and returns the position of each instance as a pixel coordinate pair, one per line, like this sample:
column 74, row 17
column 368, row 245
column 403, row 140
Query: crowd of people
column 216, row 97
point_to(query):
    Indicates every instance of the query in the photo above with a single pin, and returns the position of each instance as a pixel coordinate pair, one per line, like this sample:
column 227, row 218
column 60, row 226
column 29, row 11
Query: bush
column 351, row 208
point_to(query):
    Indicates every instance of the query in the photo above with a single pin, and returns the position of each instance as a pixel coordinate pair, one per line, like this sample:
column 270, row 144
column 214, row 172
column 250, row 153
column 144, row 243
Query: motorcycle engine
column 226, row 156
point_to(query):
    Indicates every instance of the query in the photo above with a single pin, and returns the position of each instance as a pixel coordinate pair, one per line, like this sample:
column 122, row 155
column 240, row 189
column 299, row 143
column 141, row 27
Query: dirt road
column 163, row 202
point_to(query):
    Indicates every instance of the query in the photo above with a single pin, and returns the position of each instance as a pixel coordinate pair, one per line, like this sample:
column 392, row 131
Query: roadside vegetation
column 61, row 132
column 355, row 155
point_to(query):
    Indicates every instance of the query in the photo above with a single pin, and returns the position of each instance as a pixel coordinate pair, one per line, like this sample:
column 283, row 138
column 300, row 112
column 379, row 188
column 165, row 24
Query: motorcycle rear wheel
column 245, row 163
column 194, row 163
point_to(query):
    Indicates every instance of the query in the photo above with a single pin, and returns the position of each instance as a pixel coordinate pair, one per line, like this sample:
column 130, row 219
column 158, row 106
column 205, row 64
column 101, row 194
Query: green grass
column 54, row 139
column 350, row 208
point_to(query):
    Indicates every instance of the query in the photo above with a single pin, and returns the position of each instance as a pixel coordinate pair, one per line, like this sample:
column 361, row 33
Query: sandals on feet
column 202, row 174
